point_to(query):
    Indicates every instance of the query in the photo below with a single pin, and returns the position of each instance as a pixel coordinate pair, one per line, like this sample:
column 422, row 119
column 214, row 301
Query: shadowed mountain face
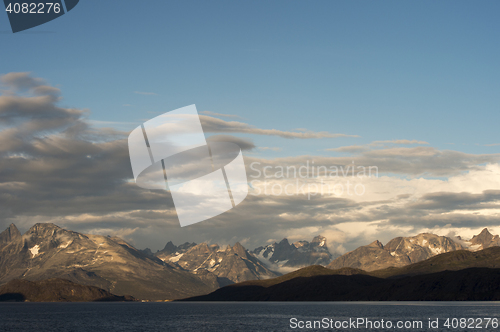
column 48, row 251
column 298, row 254
column 55, row 290
column 232, row 264
column 474, row 284
column 399, row 251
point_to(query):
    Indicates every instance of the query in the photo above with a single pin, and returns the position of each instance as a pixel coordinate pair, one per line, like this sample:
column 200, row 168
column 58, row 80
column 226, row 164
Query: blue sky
column 421, row 70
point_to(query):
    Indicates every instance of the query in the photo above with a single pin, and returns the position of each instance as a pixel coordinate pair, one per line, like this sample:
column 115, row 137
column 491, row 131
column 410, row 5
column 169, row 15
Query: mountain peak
column 484, row 240
column 318, row 238
column 376, row 244
column 43, row 226
column 9, row 234
column 321, row 240
column 284, row 241
column 485, row 231
column 13, row 229
column 239, row 249
column 482, row 237
column 169, row 247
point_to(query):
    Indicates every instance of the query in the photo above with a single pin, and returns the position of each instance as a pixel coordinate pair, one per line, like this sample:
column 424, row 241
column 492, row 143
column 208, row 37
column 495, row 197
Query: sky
column 408, row 87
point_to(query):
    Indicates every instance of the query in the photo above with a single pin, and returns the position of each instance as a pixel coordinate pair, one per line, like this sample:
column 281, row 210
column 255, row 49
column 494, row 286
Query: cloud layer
column 56, row 167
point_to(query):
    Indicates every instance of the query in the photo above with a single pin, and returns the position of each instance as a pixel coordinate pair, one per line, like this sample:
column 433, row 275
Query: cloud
column 243, row 143
column 214, row 125
column 56, row 166
column 265, row 148
column 378, row 144
column 398, row 141
column 446, row 201
column 146, row 93
column 220, row 114
column 350, row 148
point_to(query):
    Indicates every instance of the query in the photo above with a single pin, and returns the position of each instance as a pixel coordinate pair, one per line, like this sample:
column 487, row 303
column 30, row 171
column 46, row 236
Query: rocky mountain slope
column 297, row 254
column 48, row 251
column 483, row 240
column 172, row 250
column 229, row 264
column 399, row 251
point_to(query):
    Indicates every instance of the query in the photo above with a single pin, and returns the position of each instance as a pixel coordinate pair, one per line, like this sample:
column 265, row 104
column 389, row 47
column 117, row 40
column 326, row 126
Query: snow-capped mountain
column 48, row 251
column 172, row 250
column 297, row 254
column 232, row 264
column 399, row 251
column 482, row 241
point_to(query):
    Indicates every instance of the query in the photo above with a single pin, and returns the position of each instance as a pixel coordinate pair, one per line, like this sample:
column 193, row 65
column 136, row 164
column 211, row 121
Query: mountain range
column 47, row 251
column 229, row 264
column 397, row 252
column 297, row 254
column 460, row 275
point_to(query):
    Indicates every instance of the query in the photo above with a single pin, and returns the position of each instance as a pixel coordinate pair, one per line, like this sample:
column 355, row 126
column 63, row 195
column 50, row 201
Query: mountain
column 483, row 240
column 473, row 284
column 48, row 251
column 172, row 250
column 9, row 235
column 451, row 261
column 459, row 275
column 398, row 252
column 55, row 290
column 229, row 264
column 298, row 254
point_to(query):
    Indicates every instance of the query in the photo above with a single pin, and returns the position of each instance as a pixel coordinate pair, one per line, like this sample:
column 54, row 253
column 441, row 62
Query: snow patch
column 475, row 247
column 35, row 250
column 65, row 245
column 176, row 258
column 436, row 251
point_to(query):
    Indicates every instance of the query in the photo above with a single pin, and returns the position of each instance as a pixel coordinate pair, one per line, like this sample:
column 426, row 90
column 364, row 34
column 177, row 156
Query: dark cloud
column 243, row 143
column 446, row 201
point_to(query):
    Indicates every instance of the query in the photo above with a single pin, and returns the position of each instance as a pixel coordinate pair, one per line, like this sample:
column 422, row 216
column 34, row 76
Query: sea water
column 251, row 316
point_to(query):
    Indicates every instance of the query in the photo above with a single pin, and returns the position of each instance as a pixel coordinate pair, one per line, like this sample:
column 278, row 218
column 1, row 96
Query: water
column 256, row 316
